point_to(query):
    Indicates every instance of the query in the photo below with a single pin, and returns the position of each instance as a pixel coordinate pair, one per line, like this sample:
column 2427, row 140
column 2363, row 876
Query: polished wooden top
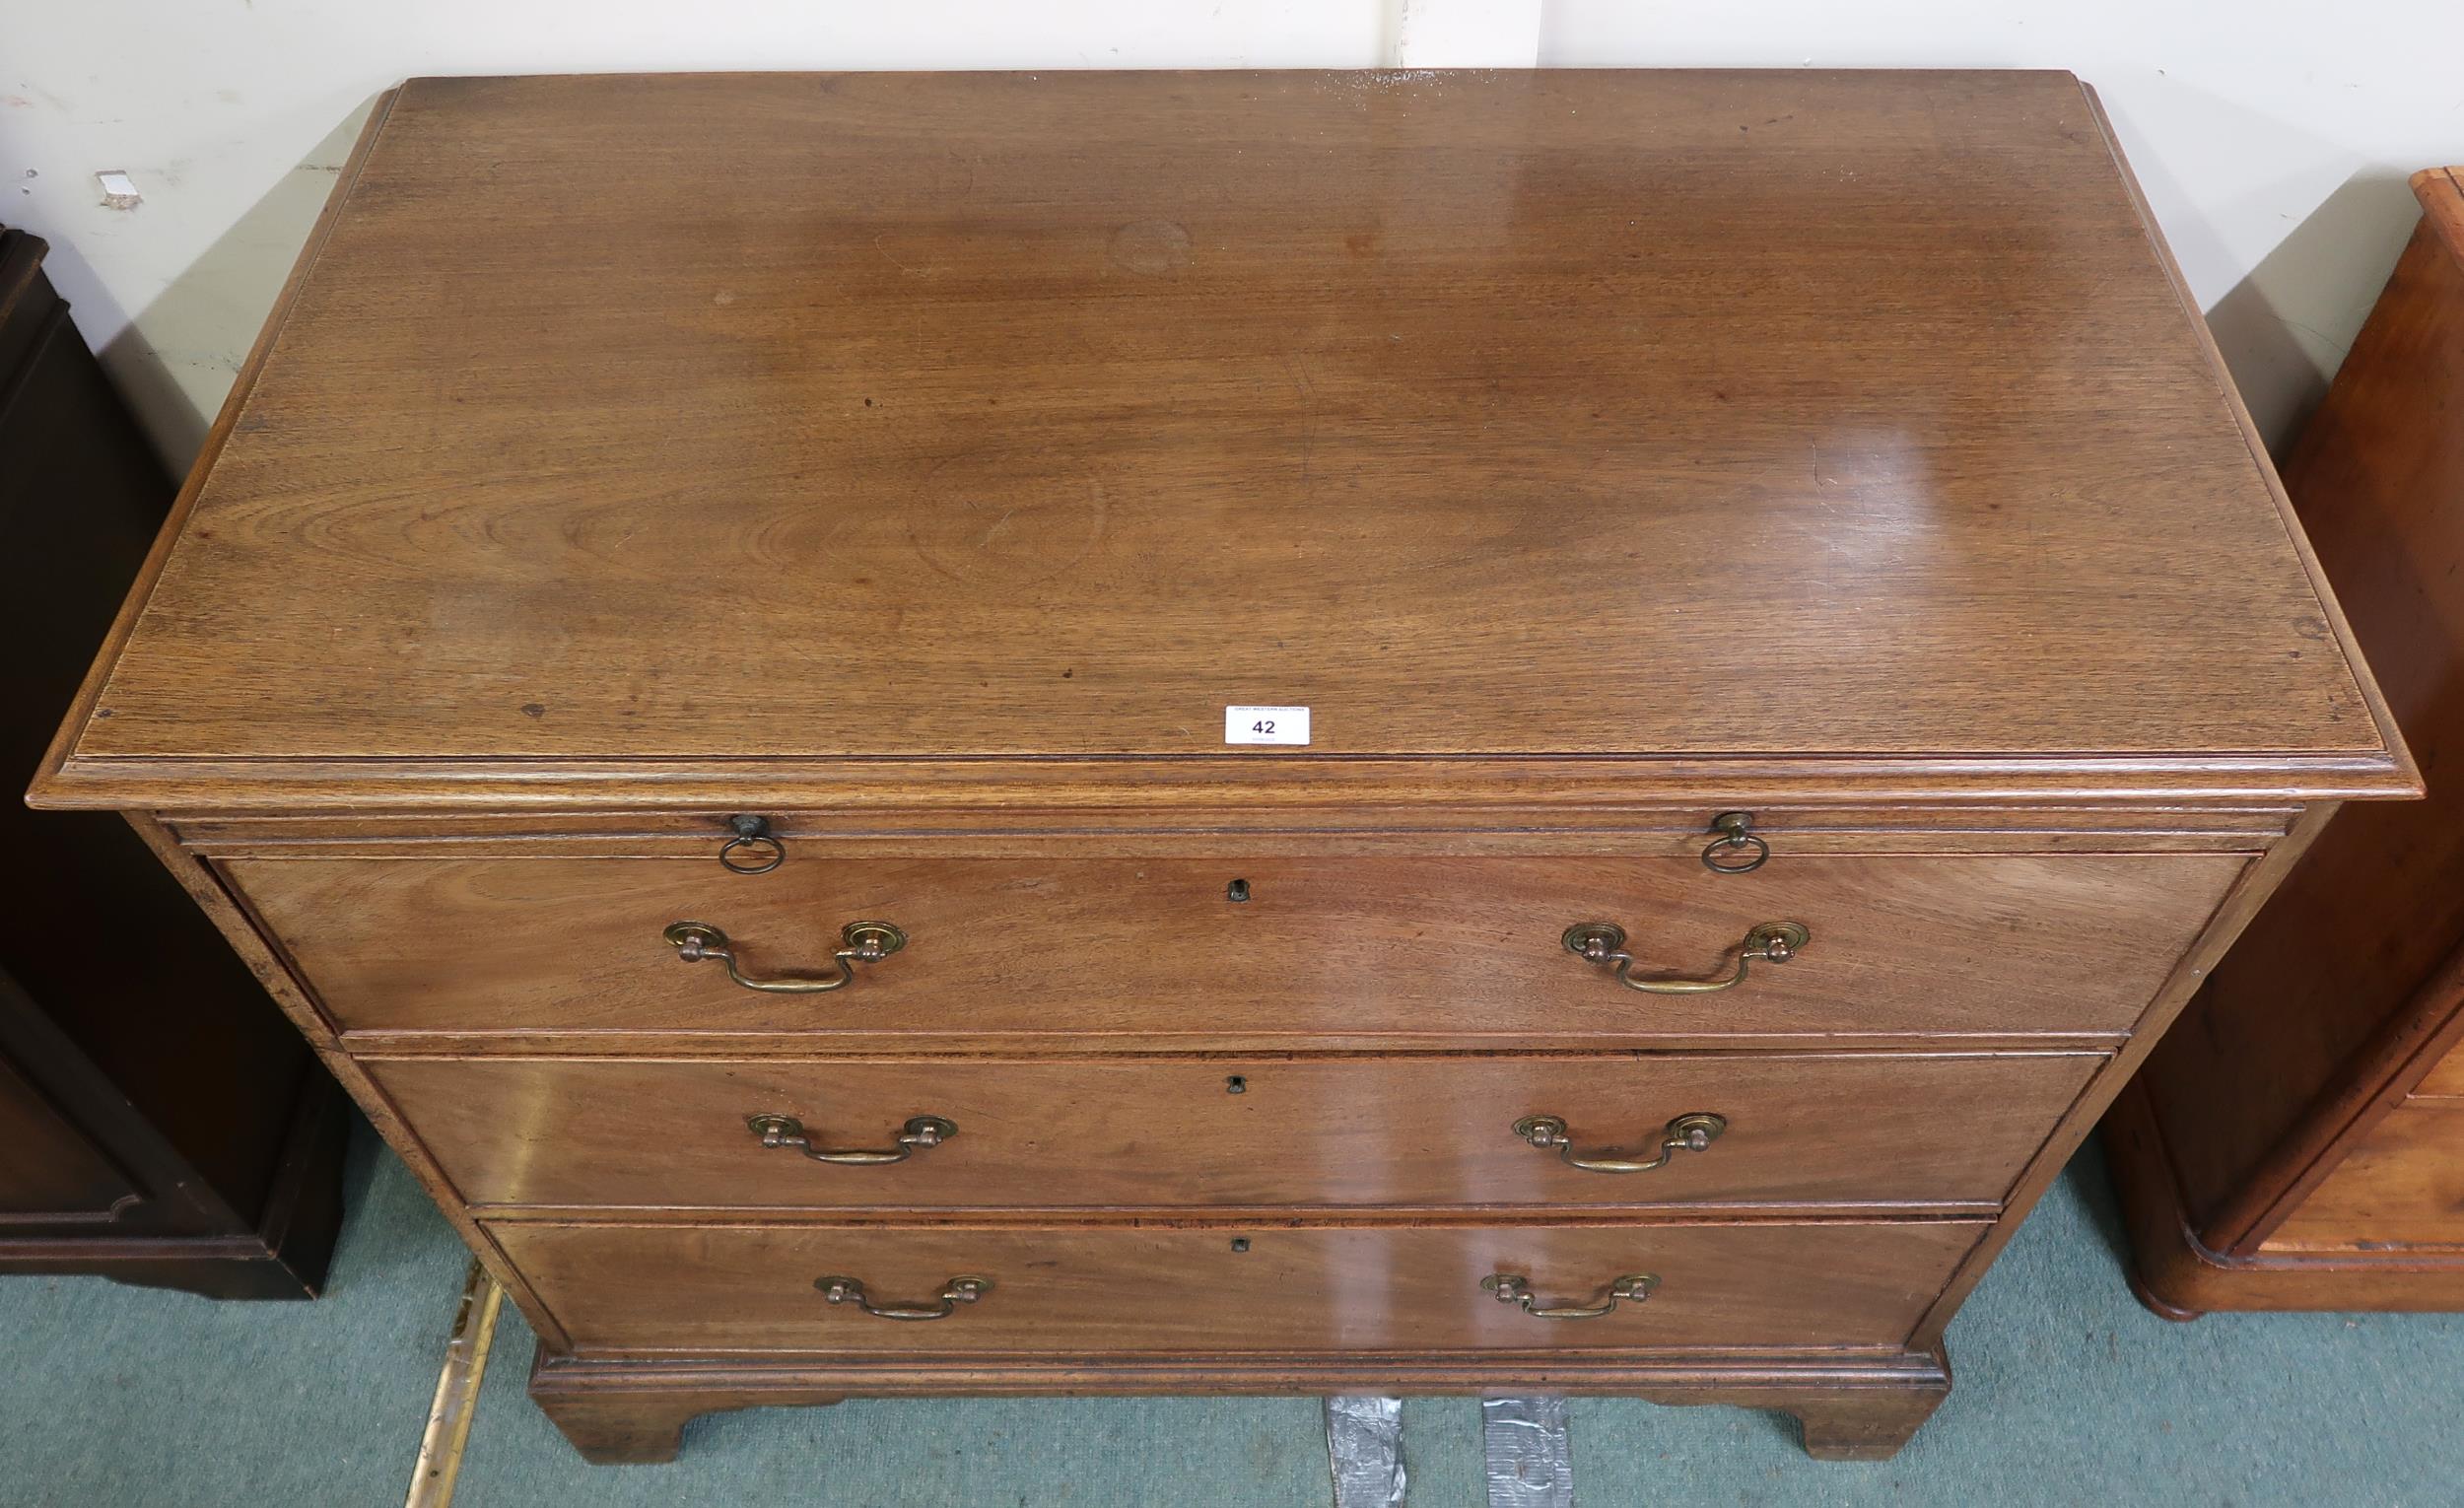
column 622, row 429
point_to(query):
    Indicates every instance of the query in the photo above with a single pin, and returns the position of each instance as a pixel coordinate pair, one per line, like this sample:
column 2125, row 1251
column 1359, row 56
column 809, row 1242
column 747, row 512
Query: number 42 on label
column 1266, row 724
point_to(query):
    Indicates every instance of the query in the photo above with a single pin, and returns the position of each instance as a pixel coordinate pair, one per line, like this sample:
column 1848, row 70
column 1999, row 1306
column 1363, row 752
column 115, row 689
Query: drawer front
column 1793, row 1129
column 1439, row 947
column 1120, row 1289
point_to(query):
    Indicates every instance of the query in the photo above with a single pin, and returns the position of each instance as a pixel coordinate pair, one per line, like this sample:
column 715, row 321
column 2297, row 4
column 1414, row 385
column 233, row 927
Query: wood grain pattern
column 1459, row 948
column 2445, row 1082
column 1852, row 1406
column 2441, row 193
column 1196, row 1133
column 260, row 954
column 1634, row 828
column 2401, row 1183
column 1172, row 1292
column 2180, row 1277
column 2241, row 904
column 902, row 456
column 2350, row 986
column 1403, row 789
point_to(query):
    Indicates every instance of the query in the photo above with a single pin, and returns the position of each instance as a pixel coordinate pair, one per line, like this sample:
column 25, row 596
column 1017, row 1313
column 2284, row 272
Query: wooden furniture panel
column 49, row 1170
column 1592, row 453
column 1460, row 947
column 708, row 1289
column 1432, row 1131
column 2400, row 1183
column 1172, row 815
column 1271, row 314
column 2272, row 1119
column 2443, row 1081
column 159, row 1123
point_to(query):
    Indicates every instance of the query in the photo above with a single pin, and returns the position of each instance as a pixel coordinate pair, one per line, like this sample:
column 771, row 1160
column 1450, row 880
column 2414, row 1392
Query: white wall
column 2271, row 137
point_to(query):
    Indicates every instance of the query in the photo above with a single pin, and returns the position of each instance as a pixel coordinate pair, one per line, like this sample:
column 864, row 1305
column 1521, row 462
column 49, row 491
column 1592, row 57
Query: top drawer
column 1143, row 950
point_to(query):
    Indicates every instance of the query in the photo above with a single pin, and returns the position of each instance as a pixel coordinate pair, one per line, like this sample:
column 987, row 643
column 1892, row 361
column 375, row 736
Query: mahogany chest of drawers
column 1276, row 733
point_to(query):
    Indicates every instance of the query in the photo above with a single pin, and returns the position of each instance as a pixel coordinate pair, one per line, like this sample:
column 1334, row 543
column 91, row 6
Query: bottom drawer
column 709, row 1288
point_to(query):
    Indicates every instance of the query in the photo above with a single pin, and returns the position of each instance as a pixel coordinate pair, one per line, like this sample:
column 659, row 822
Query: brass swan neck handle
column 955, row 1293
column 1510, row 1288
column 918, row 1132
column 1603, row 942
column 1693, row 1132
column 866, row 942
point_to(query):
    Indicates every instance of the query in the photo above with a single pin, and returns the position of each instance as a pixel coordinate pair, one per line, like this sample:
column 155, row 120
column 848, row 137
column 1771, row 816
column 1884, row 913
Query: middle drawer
column 1418, row 1131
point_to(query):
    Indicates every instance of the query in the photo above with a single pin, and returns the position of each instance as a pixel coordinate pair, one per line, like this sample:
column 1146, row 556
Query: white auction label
column 1266, row 724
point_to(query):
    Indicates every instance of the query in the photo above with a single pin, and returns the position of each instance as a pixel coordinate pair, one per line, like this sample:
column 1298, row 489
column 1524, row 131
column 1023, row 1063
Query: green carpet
column 2067, row 1392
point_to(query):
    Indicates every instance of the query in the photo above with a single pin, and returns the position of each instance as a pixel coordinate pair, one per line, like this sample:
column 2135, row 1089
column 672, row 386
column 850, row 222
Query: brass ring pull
column 1603, row 942
column 762, row 853
column 1736, row 837
column 788, row 1131
column 867, row 942
column 957, row 1291
column 1692, row 1133
column 1511, row 1289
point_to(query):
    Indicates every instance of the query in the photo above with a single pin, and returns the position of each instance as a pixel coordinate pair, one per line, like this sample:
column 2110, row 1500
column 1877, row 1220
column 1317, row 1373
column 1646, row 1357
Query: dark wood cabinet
column 159, row 1123
column 2298, row 1141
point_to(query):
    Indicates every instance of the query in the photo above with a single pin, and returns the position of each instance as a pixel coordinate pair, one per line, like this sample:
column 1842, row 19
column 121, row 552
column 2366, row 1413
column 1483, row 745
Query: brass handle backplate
column 1508, row 1288
column 1690, row 1132
column 1603, row 942
column 957, row 1291
column 788, row 1131
column 867, row 942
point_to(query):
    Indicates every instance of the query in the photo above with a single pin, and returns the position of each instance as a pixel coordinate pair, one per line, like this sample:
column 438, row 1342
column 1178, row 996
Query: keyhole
column 1236, row 892
column 1240, row 1243
column 1236, row 1084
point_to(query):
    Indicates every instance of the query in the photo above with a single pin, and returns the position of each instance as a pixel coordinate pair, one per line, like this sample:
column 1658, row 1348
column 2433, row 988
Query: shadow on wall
column 2338, row 257
column 177, row 359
